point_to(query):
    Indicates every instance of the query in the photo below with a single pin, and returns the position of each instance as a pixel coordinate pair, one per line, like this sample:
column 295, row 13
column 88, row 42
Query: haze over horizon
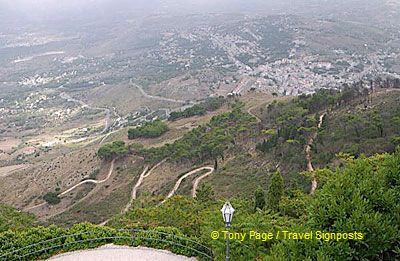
column 151, row 114
column 43, row 10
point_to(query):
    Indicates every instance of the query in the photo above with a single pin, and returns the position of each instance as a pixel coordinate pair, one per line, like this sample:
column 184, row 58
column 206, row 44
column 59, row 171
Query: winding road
column 144, row 175
column 178, row 183
column 83, row 104
column 146, row 172
column 78, row 185
column 134, row 190
column 159, row 98
column 249, row 111
column 310, row 168
column 199, row 179
column 91, row 180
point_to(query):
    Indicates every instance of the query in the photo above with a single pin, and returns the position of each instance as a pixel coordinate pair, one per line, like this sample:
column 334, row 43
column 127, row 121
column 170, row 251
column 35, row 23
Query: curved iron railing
column 201, row 250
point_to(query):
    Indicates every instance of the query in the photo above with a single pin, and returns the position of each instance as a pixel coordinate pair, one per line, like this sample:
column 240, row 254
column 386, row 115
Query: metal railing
column 63, row 244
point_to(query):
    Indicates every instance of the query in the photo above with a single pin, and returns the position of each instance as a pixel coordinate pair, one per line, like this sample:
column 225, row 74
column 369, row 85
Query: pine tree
column 205, row 193
column 275, row 191
column 259, row 199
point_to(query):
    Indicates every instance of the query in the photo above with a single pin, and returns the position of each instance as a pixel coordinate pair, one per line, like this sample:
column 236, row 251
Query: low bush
column 44, row 242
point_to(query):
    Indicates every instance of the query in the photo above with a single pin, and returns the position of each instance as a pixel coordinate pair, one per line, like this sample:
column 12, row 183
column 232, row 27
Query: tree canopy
column 148, row 130
column 113, row 150
column 210, row 104
column 206, row 142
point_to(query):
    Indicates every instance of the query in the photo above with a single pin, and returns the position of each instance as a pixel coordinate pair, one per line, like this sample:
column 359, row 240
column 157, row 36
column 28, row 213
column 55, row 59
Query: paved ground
column 121, row 253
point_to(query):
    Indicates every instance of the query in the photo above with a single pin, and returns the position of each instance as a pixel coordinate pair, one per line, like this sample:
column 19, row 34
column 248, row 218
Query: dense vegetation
column 359, row 197
column 356, row 193
column 207, row 142
column 11, row 219
column 374, row 130
column 42, row 242
column 211, row 104
column 148, row 130
column 275, row 191
column 364, row 196
column 113, row 150
column 291, row 122
column 356, row 120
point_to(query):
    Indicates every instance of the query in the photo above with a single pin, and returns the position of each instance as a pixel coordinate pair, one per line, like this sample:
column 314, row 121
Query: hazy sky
column 42, row 10
column 50, row 9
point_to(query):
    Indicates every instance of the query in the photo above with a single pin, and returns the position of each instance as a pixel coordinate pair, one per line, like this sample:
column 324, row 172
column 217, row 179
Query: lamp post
column 227, row 213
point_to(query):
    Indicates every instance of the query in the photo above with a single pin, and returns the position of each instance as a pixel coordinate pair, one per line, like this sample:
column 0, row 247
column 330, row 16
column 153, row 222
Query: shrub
column 12, row 219
column 43, row 242
column 52, row 198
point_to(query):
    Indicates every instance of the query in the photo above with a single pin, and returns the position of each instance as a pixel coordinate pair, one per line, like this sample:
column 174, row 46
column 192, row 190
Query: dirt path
column 134, row 190
column 36, row 206
column 79, row 184
column 178, row 183
column 144, row 175
column 310, row 168
column 91, row 180
column 106, row 136
column 107, row 119
column 199, row 179
column 159, row 98
column 249, row 111
column 146, row 172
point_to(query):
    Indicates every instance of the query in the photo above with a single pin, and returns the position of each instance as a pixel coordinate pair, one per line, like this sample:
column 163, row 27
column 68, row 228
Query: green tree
column 275, row 191
column 206, row 142
column 363, row 197
column 396, row 122
column 377, row 121
column 205, row 193
column 52, row 198
column 259, row 199
column 113, row 150
column 396, row 140
column 148, row 130
column 357, row 122
column 210, row 104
